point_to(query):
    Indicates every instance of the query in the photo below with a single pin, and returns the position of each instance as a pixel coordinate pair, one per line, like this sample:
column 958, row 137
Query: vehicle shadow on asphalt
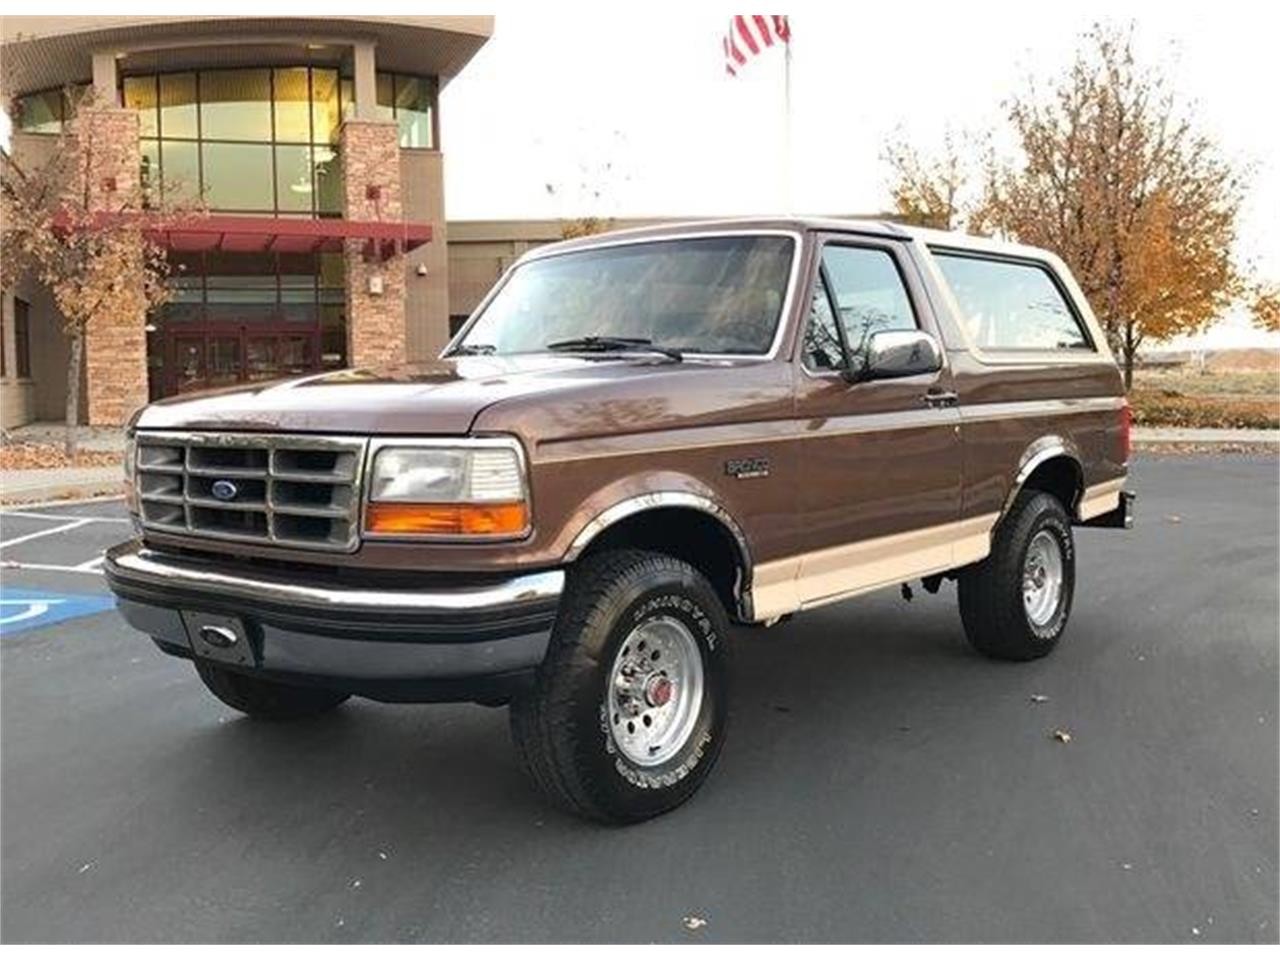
column 842, row 680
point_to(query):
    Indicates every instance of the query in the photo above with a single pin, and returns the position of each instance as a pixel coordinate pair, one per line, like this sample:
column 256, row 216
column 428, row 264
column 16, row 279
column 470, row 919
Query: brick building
column 314, row 143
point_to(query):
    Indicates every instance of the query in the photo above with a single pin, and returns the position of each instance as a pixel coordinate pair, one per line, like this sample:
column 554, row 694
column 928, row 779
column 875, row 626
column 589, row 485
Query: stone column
column 370, row 151
column 115, row 355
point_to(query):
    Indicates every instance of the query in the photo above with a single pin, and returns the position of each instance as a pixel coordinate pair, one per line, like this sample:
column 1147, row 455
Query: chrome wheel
column 1042, row 576
column 655, row 691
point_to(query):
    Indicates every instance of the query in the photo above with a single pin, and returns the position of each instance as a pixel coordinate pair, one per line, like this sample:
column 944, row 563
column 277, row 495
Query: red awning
column 264, row 234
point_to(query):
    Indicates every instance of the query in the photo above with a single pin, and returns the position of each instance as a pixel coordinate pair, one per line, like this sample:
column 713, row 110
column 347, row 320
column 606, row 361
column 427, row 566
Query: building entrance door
column 240, row 318
column 217, row 357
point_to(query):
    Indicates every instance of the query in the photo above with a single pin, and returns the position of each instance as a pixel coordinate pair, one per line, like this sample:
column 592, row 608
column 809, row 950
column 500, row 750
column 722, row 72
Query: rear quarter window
column 1011, row 304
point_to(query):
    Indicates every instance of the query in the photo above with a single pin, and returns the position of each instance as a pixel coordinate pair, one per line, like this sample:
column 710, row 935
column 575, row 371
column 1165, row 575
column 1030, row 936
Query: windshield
column 701, row 295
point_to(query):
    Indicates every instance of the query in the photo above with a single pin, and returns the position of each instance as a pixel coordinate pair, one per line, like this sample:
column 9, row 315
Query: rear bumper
column 450, row 640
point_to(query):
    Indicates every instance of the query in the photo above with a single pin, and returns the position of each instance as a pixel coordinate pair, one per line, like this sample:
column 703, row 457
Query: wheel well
column 693, row 536
column 1061, row 477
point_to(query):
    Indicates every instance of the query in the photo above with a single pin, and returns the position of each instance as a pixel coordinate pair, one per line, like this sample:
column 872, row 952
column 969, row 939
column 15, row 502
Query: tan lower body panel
column 1100, row 498
column 809, row 580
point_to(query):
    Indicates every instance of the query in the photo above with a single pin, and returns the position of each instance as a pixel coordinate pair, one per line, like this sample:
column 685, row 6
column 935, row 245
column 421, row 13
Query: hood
column 442, row 397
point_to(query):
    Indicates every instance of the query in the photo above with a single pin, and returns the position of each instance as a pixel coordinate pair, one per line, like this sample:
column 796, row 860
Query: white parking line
column 91, row 566
column 27, row 515
column 44, row 533
column 56, row 568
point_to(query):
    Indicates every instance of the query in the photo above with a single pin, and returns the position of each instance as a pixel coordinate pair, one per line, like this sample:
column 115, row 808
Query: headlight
column 475, row 489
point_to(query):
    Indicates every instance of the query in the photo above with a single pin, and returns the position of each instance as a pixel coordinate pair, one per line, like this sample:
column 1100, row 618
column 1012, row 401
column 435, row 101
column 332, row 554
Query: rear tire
column 1015, row 603
column 628, row 710
column 266, row 699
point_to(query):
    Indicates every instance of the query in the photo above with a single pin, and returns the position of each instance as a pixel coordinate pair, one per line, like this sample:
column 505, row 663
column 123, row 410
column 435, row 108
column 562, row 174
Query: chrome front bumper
column 336, row 624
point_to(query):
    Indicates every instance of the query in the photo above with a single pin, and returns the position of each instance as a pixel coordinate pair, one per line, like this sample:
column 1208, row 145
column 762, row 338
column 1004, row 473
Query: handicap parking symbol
column 28, row 609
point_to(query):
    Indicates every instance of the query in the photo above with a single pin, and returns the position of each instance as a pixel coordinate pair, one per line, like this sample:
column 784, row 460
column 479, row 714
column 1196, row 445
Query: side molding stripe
column 836, row 573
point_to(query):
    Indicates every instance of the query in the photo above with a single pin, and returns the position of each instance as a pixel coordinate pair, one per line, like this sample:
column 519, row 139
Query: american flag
column 752, row 34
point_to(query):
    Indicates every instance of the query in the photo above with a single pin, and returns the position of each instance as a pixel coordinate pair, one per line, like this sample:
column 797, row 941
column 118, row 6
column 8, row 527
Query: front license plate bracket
column 215, row 636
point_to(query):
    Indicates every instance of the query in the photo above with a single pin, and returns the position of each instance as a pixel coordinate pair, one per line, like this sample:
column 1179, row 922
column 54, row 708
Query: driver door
column 881, row 477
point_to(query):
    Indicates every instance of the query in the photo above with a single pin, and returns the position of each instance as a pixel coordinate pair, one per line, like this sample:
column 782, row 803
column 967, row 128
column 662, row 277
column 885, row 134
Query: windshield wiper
column 608, row 344
column 473, row 350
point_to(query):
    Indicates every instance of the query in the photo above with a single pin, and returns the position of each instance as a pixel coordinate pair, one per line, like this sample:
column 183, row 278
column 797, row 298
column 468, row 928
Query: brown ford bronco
column 637, row 440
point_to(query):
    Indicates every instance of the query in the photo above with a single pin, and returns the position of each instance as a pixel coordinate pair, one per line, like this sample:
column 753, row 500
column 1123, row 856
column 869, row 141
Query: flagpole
column 787, row 202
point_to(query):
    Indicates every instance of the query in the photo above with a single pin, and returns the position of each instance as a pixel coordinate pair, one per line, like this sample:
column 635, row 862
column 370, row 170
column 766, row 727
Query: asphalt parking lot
column 880, row 782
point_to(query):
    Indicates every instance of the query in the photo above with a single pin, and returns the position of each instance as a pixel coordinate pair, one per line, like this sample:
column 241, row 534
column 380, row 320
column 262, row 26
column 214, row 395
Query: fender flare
column 664, row 499
column 1039, row 452
column 656, row 501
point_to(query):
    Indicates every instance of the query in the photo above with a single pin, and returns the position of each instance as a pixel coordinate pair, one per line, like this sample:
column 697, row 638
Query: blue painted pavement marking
column 22, row 609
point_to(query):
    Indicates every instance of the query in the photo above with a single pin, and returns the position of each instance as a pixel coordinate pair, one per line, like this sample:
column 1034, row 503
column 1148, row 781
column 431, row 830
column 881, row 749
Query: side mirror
column 895, row 353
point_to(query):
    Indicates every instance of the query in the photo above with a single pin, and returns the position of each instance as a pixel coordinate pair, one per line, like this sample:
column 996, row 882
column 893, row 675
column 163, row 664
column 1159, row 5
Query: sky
column 638, row 108
column 622, row 110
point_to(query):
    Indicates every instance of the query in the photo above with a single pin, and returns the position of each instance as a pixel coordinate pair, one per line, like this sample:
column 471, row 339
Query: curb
column 62, row 495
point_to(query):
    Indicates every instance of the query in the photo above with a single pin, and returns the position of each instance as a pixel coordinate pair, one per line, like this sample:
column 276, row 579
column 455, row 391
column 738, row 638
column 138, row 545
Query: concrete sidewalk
column 59, row 483
column 1187, row 435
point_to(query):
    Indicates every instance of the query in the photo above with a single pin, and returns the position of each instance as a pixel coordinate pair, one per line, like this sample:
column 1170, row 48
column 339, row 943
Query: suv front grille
column 285, row 490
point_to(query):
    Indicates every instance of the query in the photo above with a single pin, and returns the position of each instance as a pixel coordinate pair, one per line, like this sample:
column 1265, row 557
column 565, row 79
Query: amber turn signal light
column 448, row 519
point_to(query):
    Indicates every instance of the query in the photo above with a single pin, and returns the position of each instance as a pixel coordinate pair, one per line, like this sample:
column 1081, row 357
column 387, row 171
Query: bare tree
column 930, row 189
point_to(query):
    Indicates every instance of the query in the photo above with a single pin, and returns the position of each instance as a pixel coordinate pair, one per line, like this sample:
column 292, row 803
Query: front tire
column 1015, row 603
column 266, row 699
column 628, row 711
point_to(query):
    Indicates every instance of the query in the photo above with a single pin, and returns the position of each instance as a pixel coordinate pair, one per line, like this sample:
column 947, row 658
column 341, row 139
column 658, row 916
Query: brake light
column 1126, row 432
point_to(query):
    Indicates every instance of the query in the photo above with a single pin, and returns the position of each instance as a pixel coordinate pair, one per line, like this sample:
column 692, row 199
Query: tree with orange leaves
column 1112, row 176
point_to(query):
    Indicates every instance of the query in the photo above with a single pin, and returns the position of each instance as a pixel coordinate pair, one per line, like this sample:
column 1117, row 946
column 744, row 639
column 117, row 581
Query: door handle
column 941, row 398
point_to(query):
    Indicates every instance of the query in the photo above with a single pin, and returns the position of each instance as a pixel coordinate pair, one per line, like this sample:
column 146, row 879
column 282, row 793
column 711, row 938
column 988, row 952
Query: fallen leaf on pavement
column 1039, row 698
column 694, row 923
column 1062, row 736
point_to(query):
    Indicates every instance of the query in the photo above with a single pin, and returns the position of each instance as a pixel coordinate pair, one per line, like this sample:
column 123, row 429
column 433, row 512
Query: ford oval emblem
column 224, row 490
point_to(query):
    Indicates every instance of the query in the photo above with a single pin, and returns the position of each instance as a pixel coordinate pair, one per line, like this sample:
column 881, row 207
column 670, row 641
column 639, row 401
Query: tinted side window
column 868, row 291
column 1011, row 306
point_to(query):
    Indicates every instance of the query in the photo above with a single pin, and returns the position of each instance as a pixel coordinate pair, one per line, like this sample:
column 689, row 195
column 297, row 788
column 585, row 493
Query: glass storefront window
column 333, row 335
column 385, row 97
column 178, row 118
column 347, row 96
column 255, row 141
column 294, row 182
column 40, row 112
column 410, row 101
column 237, row 176
column 328, row 181
column 332, row 271
column 180, row 171
column 139, row 94
column 293, row 105
column 235, row 105
column 48, row 111
column 149, row 173
column 413, row 111
column 326, row 114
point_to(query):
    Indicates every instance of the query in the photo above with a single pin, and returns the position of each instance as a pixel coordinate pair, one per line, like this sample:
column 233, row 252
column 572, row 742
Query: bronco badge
column 747, row 468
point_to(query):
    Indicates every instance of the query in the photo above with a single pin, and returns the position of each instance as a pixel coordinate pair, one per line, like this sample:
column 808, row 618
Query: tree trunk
column 1130, row 353
column 73, row 392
